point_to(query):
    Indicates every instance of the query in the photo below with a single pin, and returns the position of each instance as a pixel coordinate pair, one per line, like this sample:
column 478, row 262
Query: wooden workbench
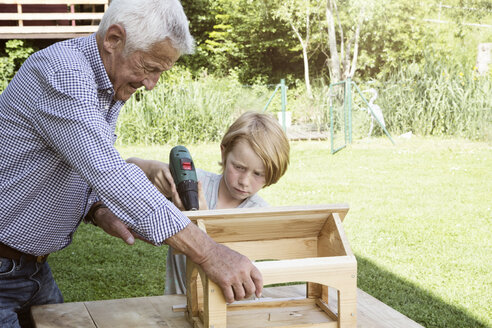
column 157, row 311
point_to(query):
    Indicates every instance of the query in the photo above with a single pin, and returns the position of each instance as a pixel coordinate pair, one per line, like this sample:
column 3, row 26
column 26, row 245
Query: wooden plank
column 275, row 304
column 214, row 306
column 376, row 314
column 236, row 225
column 132, row 312
column 297, row 313
column 47, row 29
column 280, row 249
column 51, row 16
column 257, row 228
column 69, row 315
column 338, row 270
column 55, row 2
column 371, row 313
column 332, row 240
column 43, row 35
column 341, row 208
column 164, row 304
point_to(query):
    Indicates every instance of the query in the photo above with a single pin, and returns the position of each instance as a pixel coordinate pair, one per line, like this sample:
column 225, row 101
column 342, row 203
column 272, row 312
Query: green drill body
column 183, row 171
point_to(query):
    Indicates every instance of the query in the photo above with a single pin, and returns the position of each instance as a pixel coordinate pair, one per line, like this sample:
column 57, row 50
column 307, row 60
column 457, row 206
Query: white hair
column 147, row 22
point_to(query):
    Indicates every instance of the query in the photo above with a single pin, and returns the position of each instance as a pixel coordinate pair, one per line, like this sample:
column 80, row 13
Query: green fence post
column 284, row 102
column 331, row 120
column 270, row 100
column 349, row 109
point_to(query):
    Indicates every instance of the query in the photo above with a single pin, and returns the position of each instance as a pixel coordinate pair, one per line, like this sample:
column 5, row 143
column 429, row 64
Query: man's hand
column 234, row 273
column 112, row 225
column 158, row 173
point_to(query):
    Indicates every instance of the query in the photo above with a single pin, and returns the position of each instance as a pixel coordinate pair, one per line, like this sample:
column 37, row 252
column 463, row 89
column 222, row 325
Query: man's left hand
column 112, row 225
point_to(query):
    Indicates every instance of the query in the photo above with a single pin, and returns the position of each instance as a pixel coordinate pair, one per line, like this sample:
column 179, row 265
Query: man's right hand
column 234, row 273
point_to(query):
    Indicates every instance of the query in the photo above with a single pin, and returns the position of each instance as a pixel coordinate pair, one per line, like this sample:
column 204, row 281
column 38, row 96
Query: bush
column 432, row 98
column 17, row 51
column 183, row 109
column 435, row 99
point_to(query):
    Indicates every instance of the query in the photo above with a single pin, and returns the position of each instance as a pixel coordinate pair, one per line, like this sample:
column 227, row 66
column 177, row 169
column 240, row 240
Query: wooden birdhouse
column 288, row 244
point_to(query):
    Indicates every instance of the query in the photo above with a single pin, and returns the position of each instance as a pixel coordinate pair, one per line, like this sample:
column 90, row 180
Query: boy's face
column 244, row 172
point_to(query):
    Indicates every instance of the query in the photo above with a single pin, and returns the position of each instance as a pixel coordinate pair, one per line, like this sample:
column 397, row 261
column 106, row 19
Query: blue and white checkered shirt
column 57, row 154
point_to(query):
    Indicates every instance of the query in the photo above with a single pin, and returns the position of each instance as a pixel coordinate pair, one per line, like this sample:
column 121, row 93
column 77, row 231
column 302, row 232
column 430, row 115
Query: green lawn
column 419, row 224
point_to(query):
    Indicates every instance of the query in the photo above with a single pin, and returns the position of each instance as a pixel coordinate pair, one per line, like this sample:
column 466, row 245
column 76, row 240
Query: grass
column 419, row 224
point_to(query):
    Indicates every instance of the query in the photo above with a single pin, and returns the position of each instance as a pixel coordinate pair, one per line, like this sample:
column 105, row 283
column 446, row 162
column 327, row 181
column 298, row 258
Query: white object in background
column 288, row 118
column 377, row 112
column 484, row 58
column 406, row 135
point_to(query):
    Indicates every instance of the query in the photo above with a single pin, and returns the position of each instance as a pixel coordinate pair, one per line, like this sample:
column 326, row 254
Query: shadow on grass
column 410, row 300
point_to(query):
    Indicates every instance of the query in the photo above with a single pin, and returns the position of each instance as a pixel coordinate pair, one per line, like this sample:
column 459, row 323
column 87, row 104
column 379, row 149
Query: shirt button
column 109, row 91
column 107, row 107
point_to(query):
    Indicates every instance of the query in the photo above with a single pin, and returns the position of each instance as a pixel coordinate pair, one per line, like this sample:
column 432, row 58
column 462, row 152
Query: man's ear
column 115, row 38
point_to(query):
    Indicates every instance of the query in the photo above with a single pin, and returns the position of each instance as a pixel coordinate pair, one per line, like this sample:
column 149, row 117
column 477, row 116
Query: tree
column 348, row 56
column 297, row 13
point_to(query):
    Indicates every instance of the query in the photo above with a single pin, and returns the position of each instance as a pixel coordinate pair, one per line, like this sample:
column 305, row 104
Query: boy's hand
column 158, row 173
column 201, row 199
column 202, row 202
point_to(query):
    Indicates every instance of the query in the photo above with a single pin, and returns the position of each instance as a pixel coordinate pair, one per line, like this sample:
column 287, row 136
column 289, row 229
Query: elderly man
column 59, row 166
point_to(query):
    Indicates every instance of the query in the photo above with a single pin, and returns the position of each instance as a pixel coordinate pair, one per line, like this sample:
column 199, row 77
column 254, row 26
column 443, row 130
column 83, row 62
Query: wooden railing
column 49, row 19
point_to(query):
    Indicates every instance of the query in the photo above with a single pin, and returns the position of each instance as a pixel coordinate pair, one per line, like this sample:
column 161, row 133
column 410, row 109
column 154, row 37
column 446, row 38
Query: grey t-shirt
column 176, row 263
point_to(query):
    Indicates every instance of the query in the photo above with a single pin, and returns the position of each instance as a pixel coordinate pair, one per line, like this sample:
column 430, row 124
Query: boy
column 255, row 154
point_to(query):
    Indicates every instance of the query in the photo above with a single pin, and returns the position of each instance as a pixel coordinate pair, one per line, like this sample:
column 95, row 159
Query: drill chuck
column 184, row 174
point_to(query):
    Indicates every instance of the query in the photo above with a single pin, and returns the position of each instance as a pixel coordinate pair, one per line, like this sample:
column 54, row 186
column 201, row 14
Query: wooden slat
column 133, row 312
column 51, row 16
column 164, row 305
column 342, row 209
column 55, row 2
column 43, row 35
column 372, row 313
column 236, row 225
column 332, row 240
column 335, row 271
column 47, row 29
column 296, row 313
column 280, row 249
column 67, row 315
column 270, row 303
column 265, row 228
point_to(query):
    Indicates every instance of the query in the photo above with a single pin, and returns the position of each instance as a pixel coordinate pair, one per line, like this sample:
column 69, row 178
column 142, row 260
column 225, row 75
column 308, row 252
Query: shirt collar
column 90, row 50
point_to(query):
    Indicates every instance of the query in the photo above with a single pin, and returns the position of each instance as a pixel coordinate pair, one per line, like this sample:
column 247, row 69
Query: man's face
column 140, row 69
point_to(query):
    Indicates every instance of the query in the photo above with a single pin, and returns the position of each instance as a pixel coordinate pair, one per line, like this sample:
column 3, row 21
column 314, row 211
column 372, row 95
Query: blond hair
column 267, row 139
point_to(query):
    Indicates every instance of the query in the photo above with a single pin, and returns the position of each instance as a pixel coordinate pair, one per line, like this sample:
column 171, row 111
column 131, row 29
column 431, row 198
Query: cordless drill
column 184, row 175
